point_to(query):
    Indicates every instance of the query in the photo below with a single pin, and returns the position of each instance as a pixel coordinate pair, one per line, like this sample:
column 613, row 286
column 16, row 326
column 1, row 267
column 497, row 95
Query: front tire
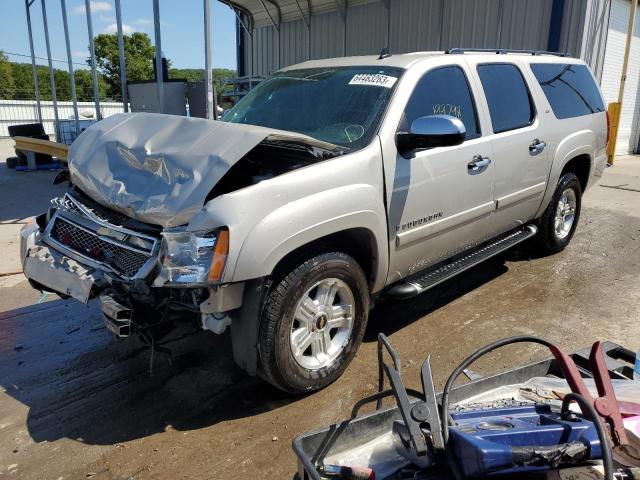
column 313, row 323
column 559, row 221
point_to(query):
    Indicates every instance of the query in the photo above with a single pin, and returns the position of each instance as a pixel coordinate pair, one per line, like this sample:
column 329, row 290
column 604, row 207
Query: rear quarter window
column 569, row 88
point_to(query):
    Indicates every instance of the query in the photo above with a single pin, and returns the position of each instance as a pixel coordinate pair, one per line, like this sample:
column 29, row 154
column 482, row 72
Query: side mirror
column 431, row 131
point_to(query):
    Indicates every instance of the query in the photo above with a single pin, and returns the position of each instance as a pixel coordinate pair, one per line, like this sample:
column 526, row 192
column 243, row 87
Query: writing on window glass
column 447, row 109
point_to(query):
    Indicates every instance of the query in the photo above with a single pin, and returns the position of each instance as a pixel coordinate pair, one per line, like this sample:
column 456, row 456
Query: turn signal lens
column 219, row 257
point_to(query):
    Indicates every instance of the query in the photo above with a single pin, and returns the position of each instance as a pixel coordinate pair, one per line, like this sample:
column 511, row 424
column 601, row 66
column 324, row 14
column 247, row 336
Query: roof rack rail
column 500, row 51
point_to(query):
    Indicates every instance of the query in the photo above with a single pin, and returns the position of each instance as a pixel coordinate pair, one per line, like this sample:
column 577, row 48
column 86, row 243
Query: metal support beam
column 34, row 69
column 441, row 26
column 627, row 48
column 275, row 26
column 555, row 26
column 72, row 78
column 616, row 109
column 246, row 29
column 158, row 45
column 250, row 34
column 388, row 6
column 211, row 112
column 307, row 22
column 341, row 8
column 273, row 22
column 309, row 29
column 252, row 56
column 52, row 79
column 94, row 69
column 304, row 18
column 500, row 18
column 343, row 12
column 123, row 66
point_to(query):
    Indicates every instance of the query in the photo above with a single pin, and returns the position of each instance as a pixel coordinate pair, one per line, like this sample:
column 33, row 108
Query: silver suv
column 331, row 184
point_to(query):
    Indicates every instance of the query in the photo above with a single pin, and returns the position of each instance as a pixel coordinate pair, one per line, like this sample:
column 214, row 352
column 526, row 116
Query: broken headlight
column 192, row 258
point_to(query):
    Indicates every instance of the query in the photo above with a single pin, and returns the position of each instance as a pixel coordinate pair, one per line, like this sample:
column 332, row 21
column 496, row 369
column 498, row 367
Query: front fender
column 310, row 218
column 578, row 143
column 270, row 219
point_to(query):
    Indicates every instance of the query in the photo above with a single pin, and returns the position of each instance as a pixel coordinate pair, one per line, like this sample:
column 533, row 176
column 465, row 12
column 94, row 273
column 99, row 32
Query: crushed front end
column 146, row 278
column 125, row 232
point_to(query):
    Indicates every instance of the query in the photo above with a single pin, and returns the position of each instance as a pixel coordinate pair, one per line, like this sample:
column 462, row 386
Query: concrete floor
column 75, row 403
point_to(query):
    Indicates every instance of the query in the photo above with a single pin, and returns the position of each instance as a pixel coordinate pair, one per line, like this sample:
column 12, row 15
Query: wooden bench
column 31, row 146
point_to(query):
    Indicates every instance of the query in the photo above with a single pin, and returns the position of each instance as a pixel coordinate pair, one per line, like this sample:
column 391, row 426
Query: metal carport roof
column 275, row 12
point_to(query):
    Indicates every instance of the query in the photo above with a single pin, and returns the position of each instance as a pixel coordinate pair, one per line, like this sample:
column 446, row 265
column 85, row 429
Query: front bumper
column 122, row 300
column 50, row 270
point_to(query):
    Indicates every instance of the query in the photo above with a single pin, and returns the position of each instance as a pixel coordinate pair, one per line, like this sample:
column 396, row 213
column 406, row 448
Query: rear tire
column 559, row 221
column 313, row 322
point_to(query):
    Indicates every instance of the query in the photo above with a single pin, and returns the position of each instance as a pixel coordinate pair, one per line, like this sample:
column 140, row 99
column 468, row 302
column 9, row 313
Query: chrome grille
column 123, row 260
column 110, row 216
column 72, row 204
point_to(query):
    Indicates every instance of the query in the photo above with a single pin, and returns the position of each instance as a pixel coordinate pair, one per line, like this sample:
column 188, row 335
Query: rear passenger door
column 520, row 153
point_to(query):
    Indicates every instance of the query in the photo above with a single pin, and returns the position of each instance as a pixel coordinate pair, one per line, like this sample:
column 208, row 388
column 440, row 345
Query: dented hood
column 159, row 168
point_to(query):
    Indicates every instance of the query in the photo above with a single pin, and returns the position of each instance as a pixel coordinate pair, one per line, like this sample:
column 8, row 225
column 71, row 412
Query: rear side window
column 569, row 88
column 443, row 91
column 507, row 95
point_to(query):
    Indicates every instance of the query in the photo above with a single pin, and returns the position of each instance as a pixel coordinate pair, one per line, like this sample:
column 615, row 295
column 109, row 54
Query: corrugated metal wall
column 594, row 34
column 367, row 27
column 327, row 35
column 415, row 25
column 525, row 24
column 293, row 42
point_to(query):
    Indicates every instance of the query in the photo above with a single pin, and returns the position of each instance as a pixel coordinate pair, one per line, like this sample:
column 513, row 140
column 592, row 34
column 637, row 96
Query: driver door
column 440, row 203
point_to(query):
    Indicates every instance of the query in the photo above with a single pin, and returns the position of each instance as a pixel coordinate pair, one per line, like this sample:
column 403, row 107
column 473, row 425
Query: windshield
column 339, row 105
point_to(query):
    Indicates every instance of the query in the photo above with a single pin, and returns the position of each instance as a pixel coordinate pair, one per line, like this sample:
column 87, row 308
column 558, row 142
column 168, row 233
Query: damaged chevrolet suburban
column 330, row 184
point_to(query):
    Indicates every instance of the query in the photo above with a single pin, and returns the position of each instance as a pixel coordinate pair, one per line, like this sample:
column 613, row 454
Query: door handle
column 478, row 164
column 537, row 147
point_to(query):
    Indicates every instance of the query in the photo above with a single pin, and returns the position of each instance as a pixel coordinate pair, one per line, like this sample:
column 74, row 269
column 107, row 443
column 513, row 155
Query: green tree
column 138, row 53
column 23, row 79
column 197, row 75
column 44, row 84
column 84, row 86
column 63, row 86
column 7, row 83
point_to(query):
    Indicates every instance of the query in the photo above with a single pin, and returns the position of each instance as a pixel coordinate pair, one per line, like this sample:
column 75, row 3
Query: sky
column 181, row 26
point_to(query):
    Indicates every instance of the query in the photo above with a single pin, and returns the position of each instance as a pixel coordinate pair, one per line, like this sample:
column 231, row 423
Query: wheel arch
column 578, row 160
column 359, row 233
column 581, row 166
column 359, row 243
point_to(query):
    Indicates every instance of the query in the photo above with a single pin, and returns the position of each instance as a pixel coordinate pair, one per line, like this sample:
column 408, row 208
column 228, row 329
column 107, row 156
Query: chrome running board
column 427, row 279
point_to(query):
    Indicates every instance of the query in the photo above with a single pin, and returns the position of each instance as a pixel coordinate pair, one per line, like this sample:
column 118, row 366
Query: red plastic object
column 606, row 403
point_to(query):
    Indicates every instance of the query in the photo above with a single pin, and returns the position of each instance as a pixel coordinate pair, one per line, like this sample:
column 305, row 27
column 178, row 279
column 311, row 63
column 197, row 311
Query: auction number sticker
column 373, row 79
